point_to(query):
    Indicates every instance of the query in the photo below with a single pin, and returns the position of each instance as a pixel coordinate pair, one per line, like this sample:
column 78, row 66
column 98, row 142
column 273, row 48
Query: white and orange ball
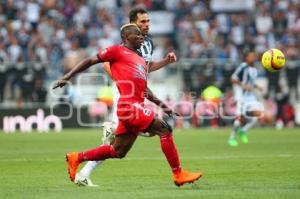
column 273, row 60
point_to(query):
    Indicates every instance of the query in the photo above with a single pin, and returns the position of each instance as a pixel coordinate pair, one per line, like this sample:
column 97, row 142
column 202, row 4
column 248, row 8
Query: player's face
column 143, row 22
column 135, row 38
column 251, row 57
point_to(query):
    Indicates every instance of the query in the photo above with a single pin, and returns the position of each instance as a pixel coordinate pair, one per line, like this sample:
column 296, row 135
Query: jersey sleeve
column 109, row 54
column 238, row 73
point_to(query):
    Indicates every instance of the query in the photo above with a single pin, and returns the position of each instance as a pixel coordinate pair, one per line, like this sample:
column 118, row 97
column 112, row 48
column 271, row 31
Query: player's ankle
column 81, row 157
column 176, row 171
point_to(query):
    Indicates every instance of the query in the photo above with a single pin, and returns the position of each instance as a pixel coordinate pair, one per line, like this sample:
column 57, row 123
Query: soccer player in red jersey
column 141, row 18
column 129, row 71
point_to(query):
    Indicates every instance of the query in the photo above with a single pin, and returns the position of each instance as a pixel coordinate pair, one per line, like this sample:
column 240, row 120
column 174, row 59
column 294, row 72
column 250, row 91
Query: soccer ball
column 273, row 60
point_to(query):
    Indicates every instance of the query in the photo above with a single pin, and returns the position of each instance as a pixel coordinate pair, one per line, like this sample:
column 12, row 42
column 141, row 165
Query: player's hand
column 171, row 113
column 60, row 83
column 171, row 57
column 247, row 87
column 175, row 114
column 259, row 88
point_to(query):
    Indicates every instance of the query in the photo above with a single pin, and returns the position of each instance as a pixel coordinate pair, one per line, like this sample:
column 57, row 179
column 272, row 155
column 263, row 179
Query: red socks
column 100, row 153
column 107, row 151
column 169, row 149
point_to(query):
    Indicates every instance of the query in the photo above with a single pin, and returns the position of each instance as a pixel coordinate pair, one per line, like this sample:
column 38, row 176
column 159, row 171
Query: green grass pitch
column 33, row 166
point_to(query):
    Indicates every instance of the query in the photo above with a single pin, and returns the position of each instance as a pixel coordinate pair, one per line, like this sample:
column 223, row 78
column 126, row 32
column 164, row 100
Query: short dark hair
column 134, row 12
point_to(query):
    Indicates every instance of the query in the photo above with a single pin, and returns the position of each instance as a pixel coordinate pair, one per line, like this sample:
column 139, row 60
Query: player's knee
column 167, row 126
column 241, row 120
column 256, row 113
column 121, row 154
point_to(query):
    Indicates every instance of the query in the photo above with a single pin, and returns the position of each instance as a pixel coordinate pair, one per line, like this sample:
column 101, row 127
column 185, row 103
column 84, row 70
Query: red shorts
column 133, row 118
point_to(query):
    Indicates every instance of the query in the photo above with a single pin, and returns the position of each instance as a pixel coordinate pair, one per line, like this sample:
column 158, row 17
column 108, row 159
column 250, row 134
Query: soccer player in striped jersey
column 247, row 105
column 140, row 17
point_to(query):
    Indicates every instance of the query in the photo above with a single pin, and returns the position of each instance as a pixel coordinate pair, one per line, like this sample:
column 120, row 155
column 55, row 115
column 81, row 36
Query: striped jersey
column 246, row 75
column 146, row 49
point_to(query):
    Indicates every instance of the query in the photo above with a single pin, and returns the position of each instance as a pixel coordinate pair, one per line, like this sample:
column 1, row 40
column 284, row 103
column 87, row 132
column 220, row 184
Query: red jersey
column 129, row 71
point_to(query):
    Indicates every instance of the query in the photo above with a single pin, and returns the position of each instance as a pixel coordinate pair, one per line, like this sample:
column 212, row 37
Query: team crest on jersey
column 140, row 67
column 141, row 72
column 103, row 51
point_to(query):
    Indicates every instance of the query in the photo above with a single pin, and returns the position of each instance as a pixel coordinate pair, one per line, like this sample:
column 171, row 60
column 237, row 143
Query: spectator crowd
column 42, row 39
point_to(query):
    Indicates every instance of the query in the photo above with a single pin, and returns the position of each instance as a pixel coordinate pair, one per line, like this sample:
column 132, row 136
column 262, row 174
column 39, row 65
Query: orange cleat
column 186, row 177
column 73, row 163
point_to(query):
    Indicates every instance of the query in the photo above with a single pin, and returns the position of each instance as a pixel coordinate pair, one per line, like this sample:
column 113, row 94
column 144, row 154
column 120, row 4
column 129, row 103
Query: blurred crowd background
column 40, row 40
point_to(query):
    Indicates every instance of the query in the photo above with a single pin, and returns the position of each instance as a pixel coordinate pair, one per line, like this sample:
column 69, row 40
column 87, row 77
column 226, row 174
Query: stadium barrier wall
column 26, row 120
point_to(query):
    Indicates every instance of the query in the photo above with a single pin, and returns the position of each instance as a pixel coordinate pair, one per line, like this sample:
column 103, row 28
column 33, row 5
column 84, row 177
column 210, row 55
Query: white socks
column 89, row 167
column 251, row 122
column 236, row 125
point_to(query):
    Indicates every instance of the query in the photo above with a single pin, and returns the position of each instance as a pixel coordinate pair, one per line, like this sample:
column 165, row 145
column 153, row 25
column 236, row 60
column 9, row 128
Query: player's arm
column 235, row 80
column 246, row 87
column 258, row 87
column 156, row 65
column 81, row 66
column 106, row 68
column 150, row 96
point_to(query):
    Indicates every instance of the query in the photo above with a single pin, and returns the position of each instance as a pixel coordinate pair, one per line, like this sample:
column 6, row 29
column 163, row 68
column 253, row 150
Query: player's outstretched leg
column 168, row 147
column 243, row 131
column 100, row 153
column 119, row 149
column 82, row 178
